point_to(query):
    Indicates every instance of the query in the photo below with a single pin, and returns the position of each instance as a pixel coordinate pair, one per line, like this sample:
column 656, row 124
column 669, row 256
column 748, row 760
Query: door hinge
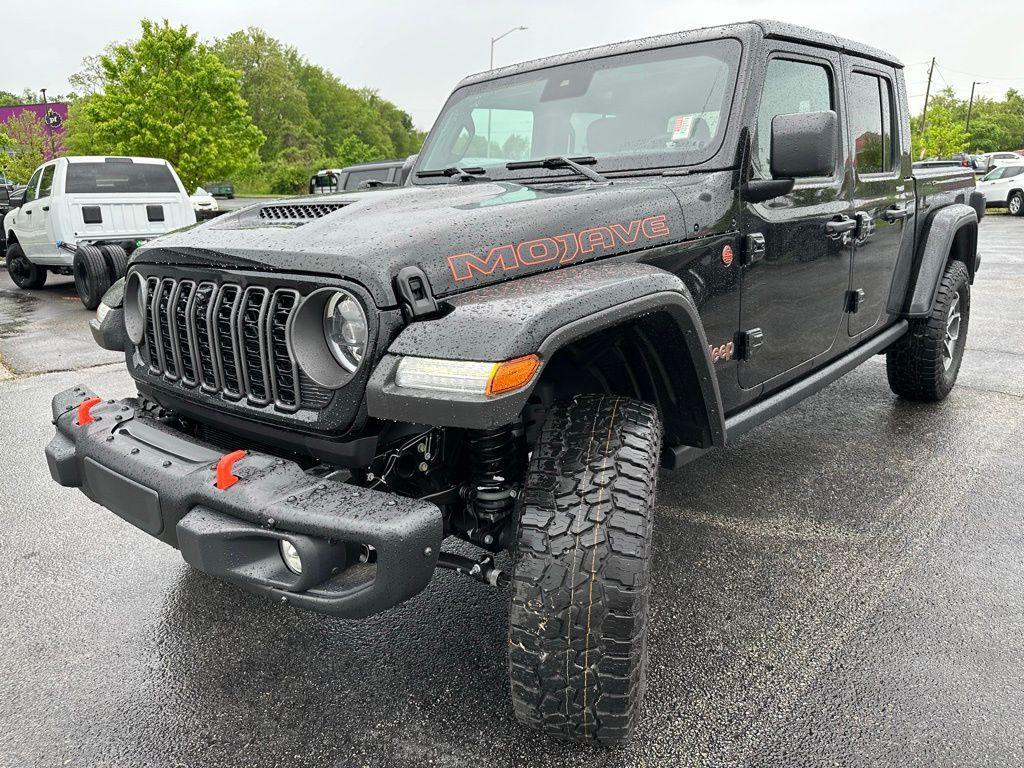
column 854, row 300
column 747, row 342
column 414, row 293
column 753, row 248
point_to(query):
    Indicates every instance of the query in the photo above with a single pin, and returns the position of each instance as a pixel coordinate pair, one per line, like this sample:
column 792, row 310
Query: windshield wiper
column 465, row 174
column 578, row 164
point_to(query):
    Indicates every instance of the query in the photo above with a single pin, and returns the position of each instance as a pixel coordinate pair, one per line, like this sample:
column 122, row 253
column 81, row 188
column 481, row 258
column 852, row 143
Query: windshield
column 118, row 177
column 650, row 109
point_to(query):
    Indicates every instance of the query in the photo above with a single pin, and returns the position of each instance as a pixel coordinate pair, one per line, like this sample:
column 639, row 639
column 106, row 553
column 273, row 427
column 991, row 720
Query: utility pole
column 493, row 41
column 924, row 112
column 970, row 104
column 49, row 128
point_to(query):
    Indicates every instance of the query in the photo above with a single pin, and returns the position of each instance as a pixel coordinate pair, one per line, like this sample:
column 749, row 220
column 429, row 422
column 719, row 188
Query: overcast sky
column 413, row 52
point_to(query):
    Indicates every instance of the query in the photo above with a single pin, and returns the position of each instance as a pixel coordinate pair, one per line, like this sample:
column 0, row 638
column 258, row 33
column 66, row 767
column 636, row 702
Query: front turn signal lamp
column 466, row 377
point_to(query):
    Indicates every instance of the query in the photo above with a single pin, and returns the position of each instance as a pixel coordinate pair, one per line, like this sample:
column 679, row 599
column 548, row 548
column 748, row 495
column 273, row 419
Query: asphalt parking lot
column 844, row 586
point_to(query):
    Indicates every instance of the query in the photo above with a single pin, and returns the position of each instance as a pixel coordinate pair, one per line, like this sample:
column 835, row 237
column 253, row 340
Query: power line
column 976, row 74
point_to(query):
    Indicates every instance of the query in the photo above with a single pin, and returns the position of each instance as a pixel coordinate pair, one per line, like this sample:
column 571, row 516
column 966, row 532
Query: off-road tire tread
column 92, row 278
column 581, row 570
column 914, row 364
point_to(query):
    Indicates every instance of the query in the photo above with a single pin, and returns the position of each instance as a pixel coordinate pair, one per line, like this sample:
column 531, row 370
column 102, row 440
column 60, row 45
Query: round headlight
column 135, row 308
column 346, row 330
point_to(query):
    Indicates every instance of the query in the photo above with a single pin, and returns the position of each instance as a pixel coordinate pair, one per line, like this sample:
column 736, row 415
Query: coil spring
column 496, row 469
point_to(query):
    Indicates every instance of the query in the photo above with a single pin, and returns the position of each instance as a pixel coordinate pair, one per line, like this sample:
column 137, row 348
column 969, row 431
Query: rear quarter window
column 119, row 178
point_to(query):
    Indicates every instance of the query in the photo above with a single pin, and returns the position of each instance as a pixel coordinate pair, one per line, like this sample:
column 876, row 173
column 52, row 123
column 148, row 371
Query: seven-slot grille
column 227, row 340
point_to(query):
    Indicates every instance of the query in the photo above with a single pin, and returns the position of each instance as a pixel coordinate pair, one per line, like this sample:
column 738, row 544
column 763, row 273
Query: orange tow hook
column 84, row 415
column 225, row 477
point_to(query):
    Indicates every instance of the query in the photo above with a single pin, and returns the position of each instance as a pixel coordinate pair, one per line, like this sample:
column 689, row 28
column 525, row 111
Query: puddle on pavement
column 16, row 309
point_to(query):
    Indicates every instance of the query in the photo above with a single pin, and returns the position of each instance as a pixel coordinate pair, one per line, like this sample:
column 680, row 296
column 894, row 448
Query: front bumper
column 163, row 482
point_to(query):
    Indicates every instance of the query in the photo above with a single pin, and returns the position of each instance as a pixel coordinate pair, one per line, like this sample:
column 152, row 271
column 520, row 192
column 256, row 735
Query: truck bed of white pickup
column 96, row 200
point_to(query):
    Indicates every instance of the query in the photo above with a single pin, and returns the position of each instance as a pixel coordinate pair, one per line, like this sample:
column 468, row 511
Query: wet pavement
column 844, row 586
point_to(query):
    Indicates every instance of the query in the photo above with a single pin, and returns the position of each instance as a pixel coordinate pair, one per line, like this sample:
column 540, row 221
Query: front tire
column 924, row 364
column 92, row 276
column 23, row 272
column 1015, row 205
column 581, row 570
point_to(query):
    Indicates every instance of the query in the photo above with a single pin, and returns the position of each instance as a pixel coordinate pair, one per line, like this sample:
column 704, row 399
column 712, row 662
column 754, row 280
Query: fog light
column 290, row 555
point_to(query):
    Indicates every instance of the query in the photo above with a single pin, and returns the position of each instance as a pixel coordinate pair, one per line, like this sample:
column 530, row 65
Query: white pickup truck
column 85, row 215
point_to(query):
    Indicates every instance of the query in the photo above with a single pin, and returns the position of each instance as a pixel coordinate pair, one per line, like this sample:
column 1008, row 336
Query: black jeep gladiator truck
column 604, row 263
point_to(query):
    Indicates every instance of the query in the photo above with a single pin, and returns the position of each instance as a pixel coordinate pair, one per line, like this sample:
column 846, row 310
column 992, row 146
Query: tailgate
column 102, row 216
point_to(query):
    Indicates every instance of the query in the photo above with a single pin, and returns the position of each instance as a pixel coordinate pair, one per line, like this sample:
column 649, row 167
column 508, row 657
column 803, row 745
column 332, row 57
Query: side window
column 1012, row 171
column 870, row 107
column 33, row 186
column 789, row 87
column 47, row 186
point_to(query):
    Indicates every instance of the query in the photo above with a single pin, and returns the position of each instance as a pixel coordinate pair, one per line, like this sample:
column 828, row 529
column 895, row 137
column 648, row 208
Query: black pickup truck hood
column 462, row 235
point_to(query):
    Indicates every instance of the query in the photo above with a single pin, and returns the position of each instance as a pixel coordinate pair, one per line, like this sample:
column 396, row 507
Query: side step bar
column 761, row 411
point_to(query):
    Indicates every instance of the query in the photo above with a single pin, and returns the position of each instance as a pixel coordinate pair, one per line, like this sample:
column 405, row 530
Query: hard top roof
column 764, row 28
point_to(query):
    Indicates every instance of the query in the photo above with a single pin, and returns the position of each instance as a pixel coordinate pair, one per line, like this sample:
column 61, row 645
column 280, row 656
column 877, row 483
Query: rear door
column 883, row 191
column 44, row 239
column 793, row 295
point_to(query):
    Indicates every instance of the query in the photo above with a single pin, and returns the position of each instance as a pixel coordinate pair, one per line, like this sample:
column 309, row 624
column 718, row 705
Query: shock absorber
column 496, row 465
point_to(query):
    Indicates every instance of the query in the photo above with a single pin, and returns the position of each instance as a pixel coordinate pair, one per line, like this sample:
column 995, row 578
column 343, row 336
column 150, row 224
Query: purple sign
column 53, row 114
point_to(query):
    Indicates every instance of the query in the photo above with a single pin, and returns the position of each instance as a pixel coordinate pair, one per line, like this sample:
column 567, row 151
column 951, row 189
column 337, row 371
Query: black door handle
column 28, row 213
column 46, row 207
column 895, row 214
column 839, row 226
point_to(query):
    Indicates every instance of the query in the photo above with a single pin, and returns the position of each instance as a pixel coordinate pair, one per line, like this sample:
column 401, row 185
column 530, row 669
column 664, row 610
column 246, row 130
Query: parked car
column 992, row 160
column 331, row 180
column 673, row 240
column 965, row 160
column 1003, row 187
column 85, row 215
column 11, row 196
column 203, row 203
column 220, row 189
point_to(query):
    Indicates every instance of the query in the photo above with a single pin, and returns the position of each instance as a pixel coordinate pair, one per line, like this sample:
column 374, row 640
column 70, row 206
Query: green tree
column 167, row 95
column 276, row 100
column 28, row 145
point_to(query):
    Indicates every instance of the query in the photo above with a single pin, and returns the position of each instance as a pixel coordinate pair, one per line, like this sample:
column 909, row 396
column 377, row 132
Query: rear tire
column 581, row 570
column 23, row 272
column 92, row 277
column 1015, row 205
column 117, row 261
column 924, row 364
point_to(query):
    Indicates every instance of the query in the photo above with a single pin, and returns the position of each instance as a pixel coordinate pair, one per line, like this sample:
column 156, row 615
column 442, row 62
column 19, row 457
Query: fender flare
column 940, row 232
column 539, row 314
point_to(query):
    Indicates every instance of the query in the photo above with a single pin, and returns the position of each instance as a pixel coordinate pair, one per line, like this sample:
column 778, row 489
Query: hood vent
column 300, row 212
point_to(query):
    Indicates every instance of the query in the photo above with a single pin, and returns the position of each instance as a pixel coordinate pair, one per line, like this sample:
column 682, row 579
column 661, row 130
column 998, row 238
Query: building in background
column 53, row 114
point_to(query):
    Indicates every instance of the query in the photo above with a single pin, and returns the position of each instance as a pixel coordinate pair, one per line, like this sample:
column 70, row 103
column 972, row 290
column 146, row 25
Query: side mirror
column 804, row 144
column 5, row 196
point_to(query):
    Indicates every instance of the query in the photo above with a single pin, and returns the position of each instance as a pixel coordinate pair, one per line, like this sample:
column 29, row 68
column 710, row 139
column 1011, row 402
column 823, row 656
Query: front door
column 883, row 190
column 27, row 216
column 794, row 295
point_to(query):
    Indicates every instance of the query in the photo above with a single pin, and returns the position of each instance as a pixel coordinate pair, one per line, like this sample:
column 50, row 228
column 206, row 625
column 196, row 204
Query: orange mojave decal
column 562, row 248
